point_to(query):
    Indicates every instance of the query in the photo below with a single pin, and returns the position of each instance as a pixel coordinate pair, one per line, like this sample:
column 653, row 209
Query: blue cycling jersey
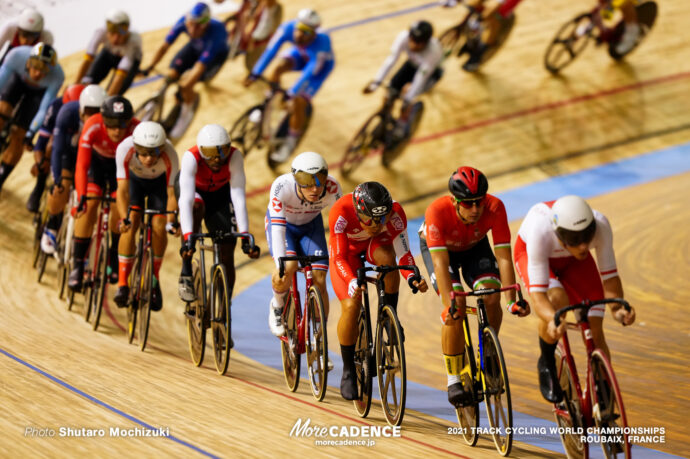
column 48, row 124
column 66, row 138
column 212, row 42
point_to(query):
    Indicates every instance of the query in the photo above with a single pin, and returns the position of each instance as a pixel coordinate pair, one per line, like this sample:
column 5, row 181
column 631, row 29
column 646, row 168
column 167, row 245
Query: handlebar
column 586, row 304
column 273, row 85
column 362, row 272
column 309, row 259
column 483, row 292
column 220, row 235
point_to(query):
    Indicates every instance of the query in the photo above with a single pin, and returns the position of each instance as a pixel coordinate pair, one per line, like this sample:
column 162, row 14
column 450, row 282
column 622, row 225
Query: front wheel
column 146, row 280
column 607, row 406
column 390, row 366
column 195, row 314
column 368, row 138
column 316, row 344
column 133, row 300
column 568, row 413
column 100, row 284
column 468, row 415
column 568, row 43
column 289, row 343
column 497, row 392
column 364, row 366
column 220, row 318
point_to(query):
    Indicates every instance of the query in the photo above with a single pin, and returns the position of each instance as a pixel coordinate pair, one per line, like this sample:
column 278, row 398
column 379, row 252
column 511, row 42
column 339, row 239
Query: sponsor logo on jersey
column 276, row 204
column 340, row 224
column 435, row 233
column 397, row 223
column 331, row 186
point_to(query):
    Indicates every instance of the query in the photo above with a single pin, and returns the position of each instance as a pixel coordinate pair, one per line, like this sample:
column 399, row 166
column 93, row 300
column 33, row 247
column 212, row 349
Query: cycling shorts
column 101, row 174
column 156, row 190
column 303, row 240
column 406, row 73
column 104, row 62
column 24, row 99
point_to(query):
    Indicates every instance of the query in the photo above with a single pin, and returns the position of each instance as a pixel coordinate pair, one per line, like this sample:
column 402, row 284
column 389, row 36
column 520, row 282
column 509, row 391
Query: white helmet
column 117, row 17
column 213, row 142
column 309, row 169
column 149, row 135
column 92, row 96
column 573, row 220
column 31, row 20
column 309, row 18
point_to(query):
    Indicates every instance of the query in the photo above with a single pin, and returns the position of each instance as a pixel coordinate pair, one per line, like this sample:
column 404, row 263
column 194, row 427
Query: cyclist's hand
column 28, row 142
column 625, row 317
column 250, row 251
column 371, row 87
column 519, row 308
column 417, row 283
column 187, row 249
column 80, row 209
column 459, row 303
column 554, row 332
column 251, row 78
column 173, row 228
column 124, row 225
column 354, row 290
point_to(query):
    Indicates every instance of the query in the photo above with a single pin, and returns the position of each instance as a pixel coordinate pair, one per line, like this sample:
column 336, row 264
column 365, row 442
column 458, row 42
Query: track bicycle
column 266, row 125
column 64, row 243
column 466, row 37
column 153, row 109
column 573, row 36
column 142, row 281
column 211, row 308
column 382, row 134
column 600, row 404
column 487, row 379
column 40, row 219
column 305, row 330
column 384, row 354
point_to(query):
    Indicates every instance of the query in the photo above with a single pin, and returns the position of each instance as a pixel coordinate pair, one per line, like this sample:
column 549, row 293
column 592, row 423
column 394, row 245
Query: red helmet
column 72, row 93
column 468, row 183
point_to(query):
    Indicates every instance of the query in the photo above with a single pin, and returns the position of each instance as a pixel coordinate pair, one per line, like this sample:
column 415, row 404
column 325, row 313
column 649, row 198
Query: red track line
column 521, row 113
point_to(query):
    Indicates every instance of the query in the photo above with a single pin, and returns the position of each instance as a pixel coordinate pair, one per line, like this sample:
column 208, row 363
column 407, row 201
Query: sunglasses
column 147, row 152
column 116, row 28
column 37, row 64
column 368, row 221
column 114, row 123
column 218, row 153
column 307, row 180
column 305, row 28
column 469, row 203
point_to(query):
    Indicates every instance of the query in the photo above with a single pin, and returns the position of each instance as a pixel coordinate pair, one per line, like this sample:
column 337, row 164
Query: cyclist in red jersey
column 95, row 170
column 454, row 237
column 365, row 222
column 552, row 255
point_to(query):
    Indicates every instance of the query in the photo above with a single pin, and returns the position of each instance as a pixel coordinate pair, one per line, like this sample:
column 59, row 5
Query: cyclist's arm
column 281, row 36
column 14, row 63
column 432, row 59
column 441, row 262
column 268, row 22
column 500, row 233
column 47, row 126
column 506, row 269
column 172, row 203
column 187, row 191
column 276, row 212
column 122, row 174
column 81, row 169
column 96, row 41
column 237, row 193
column 57, row 77
column 392, row 58
column 543, row 307
column 338, row 244
column 401, row 245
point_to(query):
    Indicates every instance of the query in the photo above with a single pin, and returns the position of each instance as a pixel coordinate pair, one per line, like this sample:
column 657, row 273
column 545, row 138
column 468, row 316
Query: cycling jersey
column 65, row 139
column 48, row 125
column 426, row 62
column 9, row 32
column 15, row 64
column 197, row 179
column 127, row 162
column 287, row 213
column 129, row 52
column 212, row 43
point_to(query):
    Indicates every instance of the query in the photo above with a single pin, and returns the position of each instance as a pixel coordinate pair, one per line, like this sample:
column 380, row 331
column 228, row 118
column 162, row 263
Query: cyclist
column 120, row 49
column 65, row 138
column 30, row 79
column 44, row 144
column 366, row 222
column 631, row 30
column 265, row 18
column 454, row 237
column 146, row 168
column 552, row 255
column 421, row 70
column 294, row 226
column 211, row 186
column 94, row 171
column 313, row 55
column 26, row 30
column 201, row 57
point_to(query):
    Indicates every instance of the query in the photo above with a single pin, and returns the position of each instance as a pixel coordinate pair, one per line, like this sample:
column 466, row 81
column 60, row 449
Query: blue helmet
column 200, row 13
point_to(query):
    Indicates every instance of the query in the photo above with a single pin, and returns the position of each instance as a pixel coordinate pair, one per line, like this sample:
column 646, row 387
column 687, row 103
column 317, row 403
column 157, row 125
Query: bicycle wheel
column 453, row 40
column 61, row 269
column 39, row 223
column 246, row 131
column 364, row 367
column 568, row 43
column 362, row 143
column 41, row 264
column 468, row 416
column 646, row 16
column 146, row 285
column 394, row 150
column 568, row 413
column 317, row 344
column 194, row 312
column 148, row 110
column 220, row 322
column 100, row 280
column 607, row 405
column 390, row 366
column 497, row 392
column 288, row 344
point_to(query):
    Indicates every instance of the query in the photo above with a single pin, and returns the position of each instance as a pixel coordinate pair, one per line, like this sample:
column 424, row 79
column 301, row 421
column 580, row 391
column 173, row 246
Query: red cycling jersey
column 95, row 138
column 206, row 179
column 443, row 229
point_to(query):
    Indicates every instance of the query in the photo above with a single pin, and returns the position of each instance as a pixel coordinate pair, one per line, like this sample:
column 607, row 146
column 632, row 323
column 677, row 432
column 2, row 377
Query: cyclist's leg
column 480, row 270
column 125, row 248
column 220, row 217
column 100, row 67
column 631, row 31
column 402, row 78
column 124, row 78
column 156, row 190
column 184, row 60
column 313, row 242
column 83, row 228
column 113, row 220
column 380, row 253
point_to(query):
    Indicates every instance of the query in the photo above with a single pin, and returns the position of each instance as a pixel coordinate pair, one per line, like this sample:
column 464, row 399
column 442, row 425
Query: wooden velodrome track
column 513, row 121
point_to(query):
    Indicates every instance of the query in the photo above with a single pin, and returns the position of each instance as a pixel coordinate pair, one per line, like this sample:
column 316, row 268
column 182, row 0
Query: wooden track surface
column 513, row 121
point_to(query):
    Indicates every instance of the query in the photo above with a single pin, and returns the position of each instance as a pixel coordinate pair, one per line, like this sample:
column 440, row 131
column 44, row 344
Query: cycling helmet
column 30, row 21
column 73, row 92
column 573, row 220
column 117, row 21
column 43, row 55
column 309, row 169
column 373, row 200
column 149, row 138
column 213, row 142
column 467, row 183
column 116, row 111
column 421, row 31
column 200, row 13
column 91, row 97
column 309, row 18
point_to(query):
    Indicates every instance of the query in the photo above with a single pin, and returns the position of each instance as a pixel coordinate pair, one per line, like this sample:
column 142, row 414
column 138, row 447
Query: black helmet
column 43, row 53
column 117, row 108
column 468, row 183
column 372, row 199
column 421, row 31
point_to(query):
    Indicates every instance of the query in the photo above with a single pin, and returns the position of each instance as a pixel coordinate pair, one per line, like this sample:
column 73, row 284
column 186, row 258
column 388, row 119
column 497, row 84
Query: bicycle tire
column 468, row 416
column 317, row 355
column 245, row 133
column 220, row 319
column 148, row 110
column 391, row 370
column 133, row 300
column 569, row 41
column 361, row 144
column 364, row 361
column 101, row 282
column 607, row 403
column 499, row 407
column 70, row 299
column 288, row 345
column 195, row 314
column 646, row 14
column 571, row 405
column 453, row 39
column 391, row 153
column 41, row 264
column 145, row 297
column 38, row 232
column 61, row 269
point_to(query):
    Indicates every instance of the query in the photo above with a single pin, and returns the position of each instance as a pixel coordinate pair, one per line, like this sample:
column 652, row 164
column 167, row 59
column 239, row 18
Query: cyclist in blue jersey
column 313, row 55
column 200, row 58
column 30, row 78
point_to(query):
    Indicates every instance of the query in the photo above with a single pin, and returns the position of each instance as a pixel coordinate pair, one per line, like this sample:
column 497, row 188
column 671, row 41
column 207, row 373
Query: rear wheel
column 568, row 43
column 468, row 416
column 148, row 110
column 316, row 344
column 220, row 319
column 133, row 300
column 646, row 16
column 390, row 366
column 497, row 392
column 194, row 312
column 289, row 343
column 394, row 150
column 100, row 280
column 369, row 137
column 41, row 264
column 246, row 131
column 364, row 367
column 145, row 295
column 568, row 413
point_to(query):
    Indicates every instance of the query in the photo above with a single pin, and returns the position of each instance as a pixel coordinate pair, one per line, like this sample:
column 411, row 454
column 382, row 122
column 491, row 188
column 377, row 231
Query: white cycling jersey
column 130, row 51
column 128, row 162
